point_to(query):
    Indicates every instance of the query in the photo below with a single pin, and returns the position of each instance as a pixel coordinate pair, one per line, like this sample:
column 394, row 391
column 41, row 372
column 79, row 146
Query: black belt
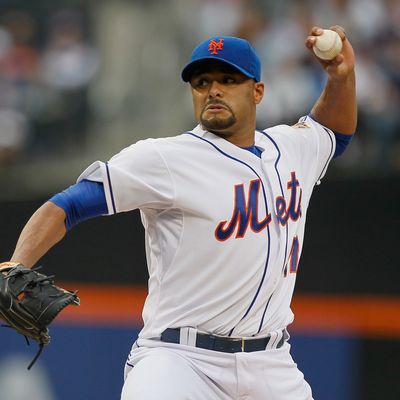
column 224, row 344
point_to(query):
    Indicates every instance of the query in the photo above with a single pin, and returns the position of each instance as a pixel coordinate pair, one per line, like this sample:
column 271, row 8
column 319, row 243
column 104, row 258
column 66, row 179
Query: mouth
column 215, row 108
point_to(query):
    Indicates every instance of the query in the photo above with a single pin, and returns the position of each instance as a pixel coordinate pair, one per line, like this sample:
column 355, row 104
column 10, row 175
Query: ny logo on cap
column 214, row 47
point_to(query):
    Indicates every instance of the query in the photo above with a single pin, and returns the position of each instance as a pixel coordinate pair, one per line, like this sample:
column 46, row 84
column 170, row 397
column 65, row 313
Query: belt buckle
column 242, row 345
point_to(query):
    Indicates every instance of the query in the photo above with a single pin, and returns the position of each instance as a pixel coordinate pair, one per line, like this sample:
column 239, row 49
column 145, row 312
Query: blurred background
column 79, row 80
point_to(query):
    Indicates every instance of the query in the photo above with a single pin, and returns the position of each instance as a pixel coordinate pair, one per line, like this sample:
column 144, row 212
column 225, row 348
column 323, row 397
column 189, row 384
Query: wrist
column 8, row 264
column 348, row 78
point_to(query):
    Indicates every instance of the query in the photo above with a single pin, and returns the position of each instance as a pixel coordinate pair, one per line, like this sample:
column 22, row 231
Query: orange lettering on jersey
column 245, row 213
column 214, row 47
column 292, row 211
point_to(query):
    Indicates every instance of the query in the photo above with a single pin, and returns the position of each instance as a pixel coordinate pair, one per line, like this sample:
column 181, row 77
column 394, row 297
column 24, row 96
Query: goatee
column 217, row 123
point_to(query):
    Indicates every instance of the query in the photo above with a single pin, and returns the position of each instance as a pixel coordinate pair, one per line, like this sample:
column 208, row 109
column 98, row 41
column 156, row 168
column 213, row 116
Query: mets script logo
column 214, row 47
column 246, row 213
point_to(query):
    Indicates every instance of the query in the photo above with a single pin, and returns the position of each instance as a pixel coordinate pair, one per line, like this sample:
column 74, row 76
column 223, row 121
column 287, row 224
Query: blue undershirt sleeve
column 342, row 141
column 81, row 201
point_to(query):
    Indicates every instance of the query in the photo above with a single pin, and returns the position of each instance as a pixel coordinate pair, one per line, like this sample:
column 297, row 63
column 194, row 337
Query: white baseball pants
column 162, row 371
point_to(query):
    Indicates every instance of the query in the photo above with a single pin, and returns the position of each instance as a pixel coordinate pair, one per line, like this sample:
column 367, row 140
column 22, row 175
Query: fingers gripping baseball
column 333, row 52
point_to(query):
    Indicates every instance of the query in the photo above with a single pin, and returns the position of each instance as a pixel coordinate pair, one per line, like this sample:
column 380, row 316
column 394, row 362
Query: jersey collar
column 199, row 131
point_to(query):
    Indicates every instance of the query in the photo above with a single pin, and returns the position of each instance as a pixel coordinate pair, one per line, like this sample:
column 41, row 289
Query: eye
column 200, row 82
column 227, row 80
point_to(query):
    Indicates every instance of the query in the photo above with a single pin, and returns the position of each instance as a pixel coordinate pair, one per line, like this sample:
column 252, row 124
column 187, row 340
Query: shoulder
column 281, row 135
column 278, row 130
column 299, row 127
column 305, row 130
column 153, row 153
column 151, row 145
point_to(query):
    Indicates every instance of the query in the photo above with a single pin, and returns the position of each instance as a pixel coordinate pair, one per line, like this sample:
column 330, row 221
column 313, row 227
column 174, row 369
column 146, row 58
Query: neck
column 240, row 139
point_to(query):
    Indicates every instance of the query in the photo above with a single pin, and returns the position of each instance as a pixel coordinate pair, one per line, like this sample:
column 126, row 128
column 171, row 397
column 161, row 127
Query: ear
column 258, row 92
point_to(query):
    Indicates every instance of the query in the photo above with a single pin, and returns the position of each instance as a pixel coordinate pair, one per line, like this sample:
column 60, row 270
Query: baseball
column 328, row 45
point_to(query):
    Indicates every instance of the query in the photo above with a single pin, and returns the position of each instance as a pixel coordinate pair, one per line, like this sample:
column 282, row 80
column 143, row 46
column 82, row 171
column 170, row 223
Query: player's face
column 225, row 101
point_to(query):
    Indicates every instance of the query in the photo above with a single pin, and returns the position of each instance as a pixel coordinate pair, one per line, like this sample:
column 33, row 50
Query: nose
column 215, row 89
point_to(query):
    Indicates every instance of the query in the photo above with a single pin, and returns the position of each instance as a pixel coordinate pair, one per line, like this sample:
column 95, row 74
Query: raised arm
column 336, row 107
column 44, row 229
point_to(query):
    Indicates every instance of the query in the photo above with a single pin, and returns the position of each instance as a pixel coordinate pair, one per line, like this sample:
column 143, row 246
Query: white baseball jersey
column 224, row 228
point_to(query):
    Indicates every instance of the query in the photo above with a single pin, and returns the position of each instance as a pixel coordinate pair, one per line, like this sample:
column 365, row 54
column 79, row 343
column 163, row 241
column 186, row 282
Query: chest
column 234, row 195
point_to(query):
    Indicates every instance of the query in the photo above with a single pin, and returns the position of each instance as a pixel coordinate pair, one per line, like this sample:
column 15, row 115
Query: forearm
column 336, row 108
column 45, row 228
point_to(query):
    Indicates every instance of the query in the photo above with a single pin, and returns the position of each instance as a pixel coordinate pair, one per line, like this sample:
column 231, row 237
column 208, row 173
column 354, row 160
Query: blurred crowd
column 46, row 66
column 56, row 80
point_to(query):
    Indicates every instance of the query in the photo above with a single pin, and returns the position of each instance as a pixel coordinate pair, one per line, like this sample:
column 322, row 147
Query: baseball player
column 224, row 209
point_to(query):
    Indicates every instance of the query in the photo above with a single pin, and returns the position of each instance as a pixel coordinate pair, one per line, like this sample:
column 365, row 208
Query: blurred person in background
column 288, row 68
column 44, row 83
column 18, row 74
column 68, row 64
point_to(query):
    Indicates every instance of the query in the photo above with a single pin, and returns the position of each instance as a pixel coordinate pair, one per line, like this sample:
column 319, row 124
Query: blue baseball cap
column 230, row 50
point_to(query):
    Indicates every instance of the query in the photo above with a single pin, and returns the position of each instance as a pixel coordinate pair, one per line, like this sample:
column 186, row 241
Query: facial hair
column 217, row 123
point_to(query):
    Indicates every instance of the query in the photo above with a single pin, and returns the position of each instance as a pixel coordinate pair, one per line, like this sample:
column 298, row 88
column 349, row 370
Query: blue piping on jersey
column 266, row 209
column 330, row 154
column 330, row 138
column 342, row 140
column 111, row 191
column 287, row 225
column 265, row 311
